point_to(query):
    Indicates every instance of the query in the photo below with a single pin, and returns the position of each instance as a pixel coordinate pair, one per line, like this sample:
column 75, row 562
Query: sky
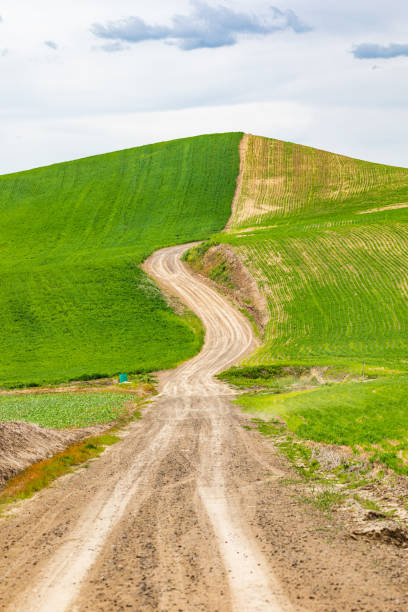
column 85, row 77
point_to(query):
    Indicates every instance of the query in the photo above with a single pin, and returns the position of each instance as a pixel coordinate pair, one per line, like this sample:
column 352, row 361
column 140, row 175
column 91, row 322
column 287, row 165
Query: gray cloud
column 113, row 47
column 374, row 51
column 51, row 44
column 204, row 27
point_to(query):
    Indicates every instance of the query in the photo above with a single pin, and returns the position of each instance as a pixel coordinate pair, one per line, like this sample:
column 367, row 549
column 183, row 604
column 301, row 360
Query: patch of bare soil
column 382, row 208
column 22, row 444
column 388, row 532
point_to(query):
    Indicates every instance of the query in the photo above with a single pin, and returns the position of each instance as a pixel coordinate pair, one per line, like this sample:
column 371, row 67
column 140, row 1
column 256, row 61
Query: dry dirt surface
column 188, row 511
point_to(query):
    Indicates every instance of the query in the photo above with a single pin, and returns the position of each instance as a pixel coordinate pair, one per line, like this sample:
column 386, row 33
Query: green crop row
column 64, row 410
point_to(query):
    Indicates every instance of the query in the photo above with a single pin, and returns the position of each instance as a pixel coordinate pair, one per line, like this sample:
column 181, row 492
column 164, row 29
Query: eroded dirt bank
column 22, row 444
column 188, row 512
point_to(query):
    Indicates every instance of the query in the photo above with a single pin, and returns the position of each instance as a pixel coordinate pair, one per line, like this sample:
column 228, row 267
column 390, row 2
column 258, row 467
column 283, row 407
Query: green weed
column 324, row 501
column 367, row 504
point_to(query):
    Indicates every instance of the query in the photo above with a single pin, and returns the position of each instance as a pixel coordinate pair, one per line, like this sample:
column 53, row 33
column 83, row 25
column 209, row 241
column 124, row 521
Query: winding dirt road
column 187, row 512
column 156, row 523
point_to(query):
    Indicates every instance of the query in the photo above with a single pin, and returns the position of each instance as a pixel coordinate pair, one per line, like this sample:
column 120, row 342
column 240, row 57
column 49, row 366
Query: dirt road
column 185, row 513
column 156, row 515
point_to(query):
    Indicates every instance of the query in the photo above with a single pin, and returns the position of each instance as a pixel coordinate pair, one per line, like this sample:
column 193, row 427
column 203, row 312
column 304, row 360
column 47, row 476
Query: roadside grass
column 325, row 500
column 325, row 488
column 66, row 410
column 282, row 377
column 42, row 474
column 74, row 302
column 195, row 255
column 369, row 417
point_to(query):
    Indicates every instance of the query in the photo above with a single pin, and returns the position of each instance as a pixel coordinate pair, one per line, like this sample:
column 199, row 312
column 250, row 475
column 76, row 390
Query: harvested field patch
column 281, row 178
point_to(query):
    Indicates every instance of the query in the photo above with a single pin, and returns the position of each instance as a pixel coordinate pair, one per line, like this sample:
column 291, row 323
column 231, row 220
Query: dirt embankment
column 22, row 444
column 221, row 267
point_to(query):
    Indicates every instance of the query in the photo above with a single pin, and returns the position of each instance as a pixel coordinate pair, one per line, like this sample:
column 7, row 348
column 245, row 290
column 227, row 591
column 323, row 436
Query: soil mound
column 22, row 444
column 388, row 532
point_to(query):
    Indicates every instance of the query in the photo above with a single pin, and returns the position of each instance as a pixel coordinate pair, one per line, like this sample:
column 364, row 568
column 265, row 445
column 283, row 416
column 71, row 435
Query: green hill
column 326, row 237
column 74, row 301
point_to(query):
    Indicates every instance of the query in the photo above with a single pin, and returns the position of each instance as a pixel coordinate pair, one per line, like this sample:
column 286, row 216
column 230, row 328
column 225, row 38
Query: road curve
column 229, row 336
column 156, row 523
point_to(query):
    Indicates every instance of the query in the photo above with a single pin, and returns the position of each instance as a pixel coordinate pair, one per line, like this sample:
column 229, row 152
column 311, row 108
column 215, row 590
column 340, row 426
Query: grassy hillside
column 73, row 299
column 326, row 238
column 332, row 265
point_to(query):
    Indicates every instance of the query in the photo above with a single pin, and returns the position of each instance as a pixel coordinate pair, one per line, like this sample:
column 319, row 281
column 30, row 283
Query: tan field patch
column 382, row 208
column 279, row 178
column 267, row 182
column 255, row 228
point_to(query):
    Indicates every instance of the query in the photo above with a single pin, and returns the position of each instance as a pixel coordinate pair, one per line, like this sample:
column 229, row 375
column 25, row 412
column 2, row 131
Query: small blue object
column 123, row 378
